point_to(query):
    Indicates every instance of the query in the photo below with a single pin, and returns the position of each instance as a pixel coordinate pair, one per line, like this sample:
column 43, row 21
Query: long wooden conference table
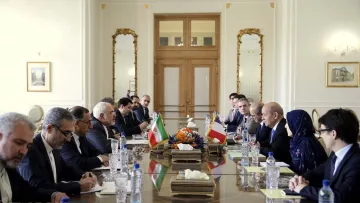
column 233, row 183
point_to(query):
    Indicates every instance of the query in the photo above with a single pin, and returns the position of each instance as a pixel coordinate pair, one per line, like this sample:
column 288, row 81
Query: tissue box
column 182, row 186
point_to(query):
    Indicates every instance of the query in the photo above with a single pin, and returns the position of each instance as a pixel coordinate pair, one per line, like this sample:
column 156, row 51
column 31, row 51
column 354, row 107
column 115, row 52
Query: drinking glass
column 114, row 146
column 113, row 163
column 252, row 138
column 255, row 151
column 121, row 181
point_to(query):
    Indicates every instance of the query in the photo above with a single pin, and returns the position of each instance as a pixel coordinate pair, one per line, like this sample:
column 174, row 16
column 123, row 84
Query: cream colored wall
column 240, row 15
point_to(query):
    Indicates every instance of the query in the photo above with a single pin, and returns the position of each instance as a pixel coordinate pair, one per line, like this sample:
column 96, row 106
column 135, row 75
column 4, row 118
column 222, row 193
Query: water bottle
column 245, row 135
column 65, row 200
column 326, row 194
column 136, row 181
column 122, row 139
column 124, row 159
column 245, row 148
column 270, row 166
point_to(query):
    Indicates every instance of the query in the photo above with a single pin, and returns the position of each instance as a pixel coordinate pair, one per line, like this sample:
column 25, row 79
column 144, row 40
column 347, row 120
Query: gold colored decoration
column 228, row 5
column 103, row 6
column 146, row 6
column 272, row 4
column 314, row 117
column 125, row 31
column 249, row 31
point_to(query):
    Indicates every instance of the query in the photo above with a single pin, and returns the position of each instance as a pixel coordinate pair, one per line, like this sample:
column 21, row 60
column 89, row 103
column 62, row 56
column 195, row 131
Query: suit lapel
column 278, row 127
column 38, row 141
column 343, row 162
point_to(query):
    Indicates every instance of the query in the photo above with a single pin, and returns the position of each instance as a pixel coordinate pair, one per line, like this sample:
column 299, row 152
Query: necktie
column 333, row 161
column 5, row 187
column 272, row 135
column 78, row 146
column 232, row 115
column 53, row 167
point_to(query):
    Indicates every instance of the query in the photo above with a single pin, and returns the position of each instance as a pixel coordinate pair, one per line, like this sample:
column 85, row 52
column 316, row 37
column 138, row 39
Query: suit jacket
column 87, row 160
column 262, row 134
column 23, row 192
column 280, row 145
column 128, row 124
column 97, row 136
column 232, row 125
column 250, row 124
column 36, row 169
column 140, row 114
column 345, row 182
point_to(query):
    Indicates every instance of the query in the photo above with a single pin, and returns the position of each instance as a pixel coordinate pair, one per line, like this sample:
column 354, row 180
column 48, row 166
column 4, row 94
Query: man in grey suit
column 248, row 121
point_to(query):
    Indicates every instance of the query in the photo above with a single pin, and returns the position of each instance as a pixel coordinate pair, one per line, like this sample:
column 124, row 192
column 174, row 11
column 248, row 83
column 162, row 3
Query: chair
column 36, row 115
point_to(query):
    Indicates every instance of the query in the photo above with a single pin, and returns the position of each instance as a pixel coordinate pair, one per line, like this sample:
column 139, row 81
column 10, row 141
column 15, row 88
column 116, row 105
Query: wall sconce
column 343, row 43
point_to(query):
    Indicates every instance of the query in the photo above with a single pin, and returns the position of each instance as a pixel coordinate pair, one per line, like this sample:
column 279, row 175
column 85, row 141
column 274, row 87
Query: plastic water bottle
column 124, row 159
column 65, row 200
column 326, row 194
column 245, row 135
column 270, row 166
column 122, row 139
column 245, row 148
column 136, row 182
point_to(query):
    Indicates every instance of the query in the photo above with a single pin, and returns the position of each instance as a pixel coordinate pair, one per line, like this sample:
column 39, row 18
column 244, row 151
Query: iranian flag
column 217, row 131
column 157, row 133
column 157, row 173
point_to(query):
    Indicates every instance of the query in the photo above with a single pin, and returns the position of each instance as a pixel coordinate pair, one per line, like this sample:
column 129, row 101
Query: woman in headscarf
column 306, row 151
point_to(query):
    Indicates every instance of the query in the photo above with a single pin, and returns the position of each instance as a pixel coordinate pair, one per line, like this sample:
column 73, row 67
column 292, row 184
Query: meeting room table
column 233, row 184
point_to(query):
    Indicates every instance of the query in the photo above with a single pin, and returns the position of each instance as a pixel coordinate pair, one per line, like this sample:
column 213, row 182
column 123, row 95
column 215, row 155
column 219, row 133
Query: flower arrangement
column 186, row 136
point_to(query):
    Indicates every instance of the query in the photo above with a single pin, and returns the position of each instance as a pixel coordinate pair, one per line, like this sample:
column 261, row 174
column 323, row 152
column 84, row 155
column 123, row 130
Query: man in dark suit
column 79, row 152
column 43, row 166
column 102, row 120
column 340, row 130
column 125, row 122
column 16, row 136
column 279, row 143
column 234, row 118
column 262, row 131
column 142, row 112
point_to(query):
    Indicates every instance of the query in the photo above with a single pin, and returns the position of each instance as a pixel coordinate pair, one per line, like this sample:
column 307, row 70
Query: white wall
column 240, row 15
column 314, row 26
column 55, row 29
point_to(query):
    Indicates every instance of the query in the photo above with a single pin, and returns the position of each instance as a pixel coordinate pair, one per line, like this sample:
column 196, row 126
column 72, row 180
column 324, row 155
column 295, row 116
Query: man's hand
column 293, row 182
column 301, row 184
column 105, row 160
column 143, row 125
column 117, row 136
column 90, row 175
column 57, row 196
column 86, row 184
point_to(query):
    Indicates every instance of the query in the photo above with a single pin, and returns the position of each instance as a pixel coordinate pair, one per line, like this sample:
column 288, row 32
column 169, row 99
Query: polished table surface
column 233, row 183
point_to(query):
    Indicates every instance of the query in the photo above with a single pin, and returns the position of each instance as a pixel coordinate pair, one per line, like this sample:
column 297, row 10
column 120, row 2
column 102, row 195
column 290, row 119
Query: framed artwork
column 38, row 76
column 132, row 85
column 342, row 74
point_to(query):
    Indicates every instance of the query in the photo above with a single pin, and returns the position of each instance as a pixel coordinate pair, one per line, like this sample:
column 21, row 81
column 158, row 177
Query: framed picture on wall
column 38, row 76
column 342, row 74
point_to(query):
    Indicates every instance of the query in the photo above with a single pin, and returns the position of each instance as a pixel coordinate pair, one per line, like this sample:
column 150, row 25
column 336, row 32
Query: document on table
column 280, row 164
column 109, row 188
column 96, row 188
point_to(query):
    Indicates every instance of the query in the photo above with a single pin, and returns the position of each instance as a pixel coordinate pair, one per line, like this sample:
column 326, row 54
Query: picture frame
column 132, row 85
column 38, row 76
column 342, row 74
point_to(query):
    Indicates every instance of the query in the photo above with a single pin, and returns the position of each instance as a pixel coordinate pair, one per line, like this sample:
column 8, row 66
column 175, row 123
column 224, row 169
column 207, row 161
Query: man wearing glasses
column 142, row 112
column 340, row 130
column 79, row 151
column 43, row 166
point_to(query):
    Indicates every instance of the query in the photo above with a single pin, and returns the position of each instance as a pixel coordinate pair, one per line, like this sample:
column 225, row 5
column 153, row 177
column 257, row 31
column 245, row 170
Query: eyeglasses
column 88, row 122
column 66, row 134
column 324, row 130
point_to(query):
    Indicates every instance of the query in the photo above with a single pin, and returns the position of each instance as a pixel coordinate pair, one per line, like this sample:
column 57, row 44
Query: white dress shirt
column 106, row 131
column 274, row 128
column 340, row 154
column 49, row 150
column 77, row 142
column 5, row 187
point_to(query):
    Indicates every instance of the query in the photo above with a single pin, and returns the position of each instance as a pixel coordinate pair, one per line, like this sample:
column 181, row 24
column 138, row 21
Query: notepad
column 109, row 188
column 233, row 154
column 279, row 164
column 254, row 169
column 137, row 142
column 278, row 194
column 96, row 188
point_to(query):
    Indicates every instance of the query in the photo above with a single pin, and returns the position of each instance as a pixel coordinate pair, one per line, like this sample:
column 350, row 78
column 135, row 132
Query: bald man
column 262, row 131
column 273, row 117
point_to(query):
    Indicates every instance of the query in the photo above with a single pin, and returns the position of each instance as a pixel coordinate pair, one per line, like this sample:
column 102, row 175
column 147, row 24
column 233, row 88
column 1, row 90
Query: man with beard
column 16, row 133
column 43, row 166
